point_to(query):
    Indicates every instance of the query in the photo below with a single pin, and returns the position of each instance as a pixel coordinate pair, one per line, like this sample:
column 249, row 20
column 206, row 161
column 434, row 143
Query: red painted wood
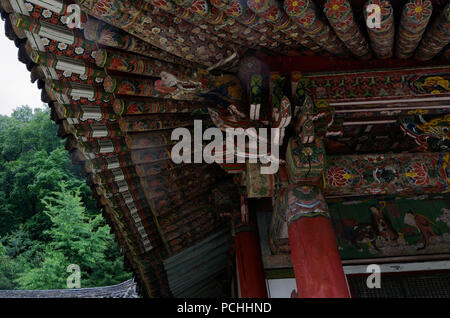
column 317, row 265
column 250, row 266
column 306, row 64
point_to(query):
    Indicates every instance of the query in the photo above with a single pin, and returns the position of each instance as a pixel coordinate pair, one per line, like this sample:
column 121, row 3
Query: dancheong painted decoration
column 391, row 226
column 313, row 134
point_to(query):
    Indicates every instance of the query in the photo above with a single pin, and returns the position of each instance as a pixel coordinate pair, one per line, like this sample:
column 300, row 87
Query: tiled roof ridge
column 126, row 289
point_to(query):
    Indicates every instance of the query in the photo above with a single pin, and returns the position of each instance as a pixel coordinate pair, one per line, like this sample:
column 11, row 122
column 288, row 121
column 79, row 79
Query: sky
column 16, row 88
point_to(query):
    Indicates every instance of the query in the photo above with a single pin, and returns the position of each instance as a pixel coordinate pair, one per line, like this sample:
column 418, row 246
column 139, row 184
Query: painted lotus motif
column 339, row 177
column 417, row 174
column 295, row 7
column 419, row 8
column 336, row 8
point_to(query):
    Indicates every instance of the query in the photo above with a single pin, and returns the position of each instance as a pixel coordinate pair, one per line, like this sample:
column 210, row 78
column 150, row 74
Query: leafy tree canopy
column 48, row 218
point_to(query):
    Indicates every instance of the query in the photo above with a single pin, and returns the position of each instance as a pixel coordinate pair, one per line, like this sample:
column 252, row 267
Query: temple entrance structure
column 354, row 97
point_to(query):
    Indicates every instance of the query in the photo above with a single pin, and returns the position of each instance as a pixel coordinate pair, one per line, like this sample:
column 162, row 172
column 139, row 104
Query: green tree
column 21, row 135
column 6, row 270
column 75, row 239
column 23, row 113
column 33, row 163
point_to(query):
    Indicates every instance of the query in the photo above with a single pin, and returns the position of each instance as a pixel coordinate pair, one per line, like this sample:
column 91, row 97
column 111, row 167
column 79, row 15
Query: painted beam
column 130, row 63
column 382, row 38
column 209, row 17
column 340, row 16
column 113, row 37
column 240, row 11
column 304, row 15
column 381, row 87
column 404, row 173
column 148, row 106
column 363, row 175
column 187, row 43
column 400, row 267
column 270, row 11
column 287, row 64
column 415, row 17
column 436, row 38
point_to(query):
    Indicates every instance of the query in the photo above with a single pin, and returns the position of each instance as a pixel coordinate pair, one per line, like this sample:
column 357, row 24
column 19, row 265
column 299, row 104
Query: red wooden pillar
column 317, row 265
column 250, row 269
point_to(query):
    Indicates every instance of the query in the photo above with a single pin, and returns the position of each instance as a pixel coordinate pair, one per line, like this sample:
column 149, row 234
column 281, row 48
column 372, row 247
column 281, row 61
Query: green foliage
column 23, row 113
column 49, row 275
column 22, row 135
column 32, row 163
column 48, row 218
column 75, row 239
column 6, row 269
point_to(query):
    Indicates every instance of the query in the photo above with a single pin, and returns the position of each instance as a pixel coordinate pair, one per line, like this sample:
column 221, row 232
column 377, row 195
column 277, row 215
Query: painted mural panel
column 392, row 227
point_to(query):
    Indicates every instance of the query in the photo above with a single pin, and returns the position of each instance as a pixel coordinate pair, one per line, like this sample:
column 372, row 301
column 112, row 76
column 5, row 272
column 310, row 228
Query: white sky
column 16, row 88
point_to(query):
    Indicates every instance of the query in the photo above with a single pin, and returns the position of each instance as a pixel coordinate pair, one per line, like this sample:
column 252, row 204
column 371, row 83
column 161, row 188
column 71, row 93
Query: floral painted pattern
column 397, row 173
column 257, row 5
column 295, row 7
column 339, row 176
column 417, row 174
column 415, row 17
column 336, row 8
column 305, row 14
column 46, row 13
column 386, row 8
column 272, row 14
column 419, row 8
column 308, row 19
